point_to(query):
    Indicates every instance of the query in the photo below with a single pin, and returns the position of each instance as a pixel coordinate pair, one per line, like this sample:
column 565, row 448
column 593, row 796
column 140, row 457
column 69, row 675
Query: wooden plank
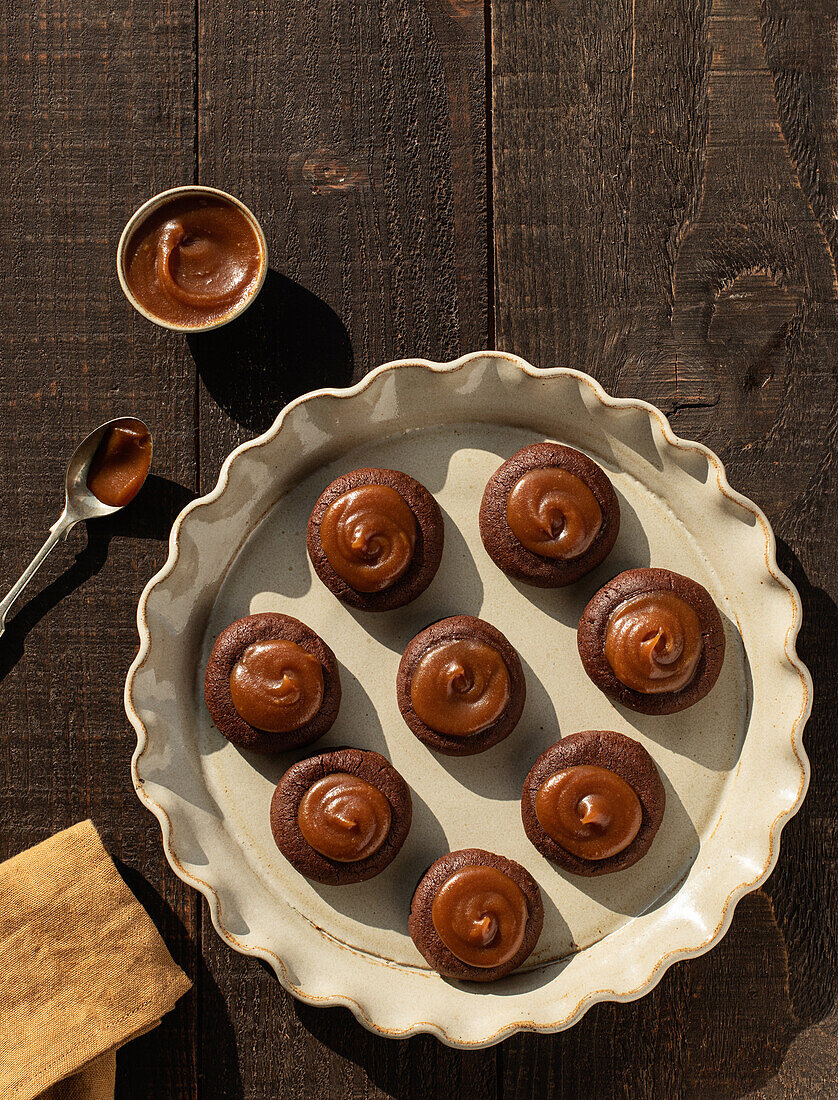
column 792, row 472
column 95, row 116
column 665, row 188
column 358, row 138
column 561, row 89
column 668, row 170
column 357, row 134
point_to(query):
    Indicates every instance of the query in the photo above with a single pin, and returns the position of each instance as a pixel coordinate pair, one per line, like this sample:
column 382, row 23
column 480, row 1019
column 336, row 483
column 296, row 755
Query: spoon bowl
column 79, row 502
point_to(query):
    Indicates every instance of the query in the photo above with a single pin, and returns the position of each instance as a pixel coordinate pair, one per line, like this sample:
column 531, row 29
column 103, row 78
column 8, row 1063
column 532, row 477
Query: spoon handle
column 57, row 533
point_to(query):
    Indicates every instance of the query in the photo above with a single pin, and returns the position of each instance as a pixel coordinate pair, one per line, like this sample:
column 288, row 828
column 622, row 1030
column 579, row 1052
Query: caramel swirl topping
column 276, row 685
column 480, row 914
column 368, row 536
column 460, row 687
column 590, row 811
column 653, row 642
column 553, row 513
column 343, row 817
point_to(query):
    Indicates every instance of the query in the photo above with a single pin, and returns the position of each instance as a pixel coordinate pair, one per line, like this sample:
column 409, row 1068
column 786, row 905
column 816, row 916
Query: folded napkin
column 82, row 970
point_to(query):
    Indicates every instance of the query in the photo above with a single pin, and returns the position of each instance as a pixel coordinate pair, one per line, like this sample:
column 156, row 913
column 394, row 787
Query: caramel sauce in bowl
column 192, row 259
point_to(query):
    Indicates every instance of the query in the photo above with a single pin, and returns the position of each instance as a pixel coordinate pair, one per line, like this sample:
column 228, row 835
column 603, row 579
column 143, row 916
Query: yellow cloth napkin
column 82, row 970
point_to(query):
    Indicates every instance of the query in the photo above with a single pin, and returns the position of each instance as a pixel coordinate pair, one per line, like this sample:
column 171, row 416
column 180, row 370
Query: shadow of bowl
column 287, row 343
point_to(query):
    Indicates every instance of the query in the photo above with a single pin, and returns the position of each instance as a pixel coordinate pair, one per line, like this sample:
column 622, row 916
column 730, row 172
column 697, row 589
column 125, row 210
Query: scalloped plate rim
column 587, row 1001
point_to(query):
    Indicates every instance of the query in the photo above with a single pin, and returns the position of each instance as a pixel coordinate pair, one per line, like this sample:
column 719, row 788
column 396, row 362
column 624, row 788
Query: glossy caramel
column 343, row 817
column 193, row 260
column 121, row 463
column 480, row 914
column 653, row 642
column 368, row 536
column 460, row 687
column 553, row 513
column 276, row 685
column 590, row 811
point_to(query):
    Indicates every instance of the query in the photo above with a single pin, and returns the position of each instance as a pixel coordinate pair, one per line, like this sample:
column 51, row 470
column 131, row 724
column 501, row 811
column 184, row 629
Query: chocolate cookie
column 342, row 816
column 549, row 515
column 652, row 640
column 460, row 686
column 375, row 538
column 609, row 807
column 274, row 670
column 476, row 915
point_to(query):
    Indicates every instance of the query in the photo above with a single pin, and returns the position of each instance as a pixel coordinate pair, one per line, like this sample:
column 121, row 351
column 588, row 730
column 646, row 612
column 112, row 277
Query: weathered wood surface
column 95, row 115
column 642, row 189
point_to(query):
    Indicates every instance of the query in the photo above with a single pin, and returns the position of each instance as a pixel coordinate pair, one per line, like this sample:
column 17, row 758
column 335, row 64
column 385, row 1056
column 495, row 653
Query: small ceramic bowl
column 140, row 215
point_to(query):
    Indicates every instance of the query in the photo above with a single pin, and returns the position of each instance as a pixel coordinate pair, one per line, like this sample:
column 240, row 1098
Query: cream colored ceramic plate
column 733, row 766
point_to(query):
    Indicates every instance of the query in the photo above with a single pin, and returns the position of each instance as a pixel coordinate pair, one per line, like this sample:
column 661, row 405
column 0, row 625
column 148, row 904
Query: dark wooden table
column 645, row 189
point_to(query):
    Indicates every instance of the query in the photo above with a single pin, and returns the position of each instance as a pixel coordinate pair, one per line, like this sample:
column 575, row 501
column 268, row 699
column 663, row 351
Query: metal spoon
column 79, row 504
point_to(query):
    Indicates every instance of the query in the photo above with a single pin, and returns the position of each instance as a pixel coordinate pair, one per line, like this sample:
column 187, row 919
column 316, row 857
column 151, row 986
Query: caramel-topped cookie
column 476, row 915
column 375, row 538
column 342, row 816
column 652, row 640
column 271, row 683
column 549, row 515
column 593, row 802
column 460, row 686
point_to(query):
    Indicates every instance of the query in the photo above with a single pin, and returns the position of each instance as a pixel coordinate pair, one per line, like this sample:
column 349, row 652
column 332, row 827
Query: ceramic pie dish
column 733, row 765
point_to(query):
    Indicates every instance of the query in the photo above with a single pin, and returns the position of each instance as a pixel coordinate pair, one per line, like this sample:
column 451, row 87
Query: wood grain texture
column 661, row 212
column 95, row 115
column 669, row 170
column 357, row 133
